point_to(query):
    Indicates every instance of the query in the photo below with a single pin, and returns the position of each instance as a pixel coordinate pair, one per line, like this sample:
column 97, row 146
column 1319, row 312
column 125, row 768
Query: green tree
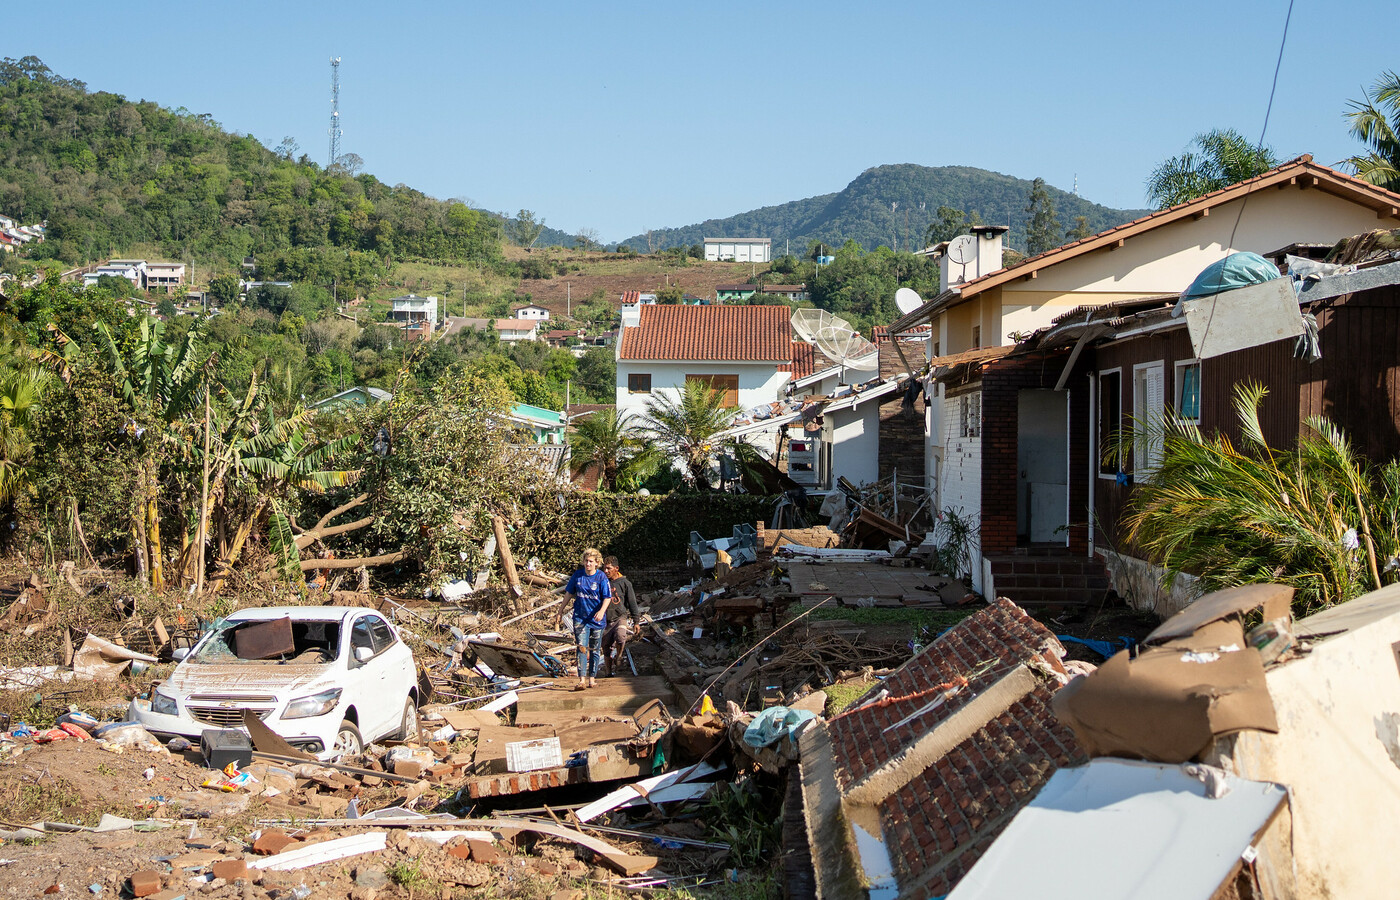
column 1375, row 121
column 671, row 294
column 1081, row 229
column 687, row 426
column 948, row 224
column 526, row 229
column 223, row 289
column 1222, row 157
column 614, row 447
column 1043, row 229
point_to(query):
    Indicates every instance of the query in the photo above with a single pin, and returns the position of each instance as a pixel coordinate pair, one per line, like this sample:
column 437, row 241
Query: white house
column 739, row 349
column 511, row 330
column 133, row 270
column 759, row 250
column 538, row 313
column 411, row 309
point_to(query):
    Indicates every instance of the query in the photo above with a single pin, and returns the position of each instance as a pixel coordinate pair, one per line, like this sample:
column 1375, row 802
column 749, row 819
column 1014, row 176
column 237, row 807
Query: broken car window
column 313, row 643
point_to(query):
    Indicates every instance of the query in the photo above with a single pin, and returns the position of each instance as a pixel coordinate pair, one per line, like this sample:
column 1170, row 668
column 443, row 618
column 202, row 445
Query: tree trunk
column 229, row 553
column 153, row 550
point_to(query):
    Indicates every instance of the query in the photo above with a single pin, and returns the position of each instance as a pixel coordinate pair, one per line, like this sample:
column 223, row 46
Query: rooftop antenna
column 1076, row 184
column 335, row 111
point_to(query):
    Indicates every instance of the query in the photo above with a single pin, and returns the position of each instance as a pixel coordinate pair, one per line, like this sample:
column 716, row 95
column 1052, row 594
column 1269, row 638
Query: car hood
column 284, row 682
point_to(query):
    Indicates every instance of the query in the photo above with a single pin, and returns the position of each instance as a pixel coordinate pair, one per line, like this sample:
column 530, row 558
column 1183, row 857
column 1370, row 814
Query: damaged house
column 1009, row 440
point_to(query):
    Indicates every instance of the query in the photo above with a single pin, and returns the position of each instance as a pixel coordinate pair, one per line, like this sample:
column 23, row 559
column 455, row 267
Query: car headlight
column 315, row 705
column 163, row 705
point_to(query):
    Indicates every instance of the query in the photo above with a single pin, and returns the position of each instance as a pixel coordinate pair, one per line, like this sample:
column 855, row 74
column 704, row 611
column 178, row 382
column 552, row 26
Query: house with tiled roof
column 1025, row 416
column 908, row 787
column 745, row 351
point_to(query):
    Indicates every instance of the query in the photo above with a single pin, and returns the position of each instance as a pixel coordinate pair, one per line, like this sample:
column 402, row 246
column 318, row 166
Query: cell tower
column 335, row 111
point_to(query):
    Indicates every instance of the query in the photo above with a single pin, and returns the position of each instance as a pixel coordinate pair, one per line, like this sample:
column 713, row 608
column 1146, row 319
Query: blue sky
column 624, row 116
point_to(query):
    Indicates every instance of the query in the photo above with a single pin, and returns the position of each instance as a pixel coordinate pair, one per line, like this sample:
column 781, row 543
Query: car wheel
column 347, row 740
column 409, row 729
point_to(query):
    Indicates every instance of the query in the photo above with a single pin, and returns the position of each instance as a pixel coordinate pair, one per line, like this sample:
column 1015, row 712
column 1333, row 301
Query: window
column 727, row 383
column 976, row 337
column 1148, row 407
column 1110, row 421
column 970, row 415
column 360, row 636
column 639, row 383
column 380, row 633
column 1188, row 390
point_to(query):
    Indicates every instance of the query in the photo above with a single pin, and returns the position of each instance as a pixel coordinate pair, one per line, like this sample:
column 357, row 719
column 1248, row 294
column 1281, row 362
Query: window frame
column 970, row 414
column 635, row 378
column 1143, row 453
column 1106, row 437
column 731, row 395
column 1179, row 369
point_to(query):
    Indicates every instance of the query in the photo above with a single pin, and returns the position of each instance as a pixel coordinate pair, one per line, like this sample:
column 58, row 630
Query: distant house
column 411, row 309
column 545, row 425
column 6, row 222
column 143, row 275
column 454, row 324
column 558, row 337
column 532, row 311
column 759, row 250
column 793, row 293
column 164, row 275
column 133, row 270
column 511, row 330
column 738, row 349
column 734, row 293
column 362, row 396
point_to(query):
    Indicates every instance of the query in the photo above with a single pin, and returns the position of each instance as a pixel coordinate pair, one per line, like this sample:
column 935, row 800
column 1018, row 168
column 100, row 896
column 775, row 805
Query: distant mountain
column 861, row 212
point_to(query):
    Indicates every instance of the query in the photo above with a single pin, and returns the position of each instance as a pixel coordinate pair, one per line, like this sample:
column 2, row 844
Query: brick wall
column 902, row 439
column 1001, row 383
column 961, row 479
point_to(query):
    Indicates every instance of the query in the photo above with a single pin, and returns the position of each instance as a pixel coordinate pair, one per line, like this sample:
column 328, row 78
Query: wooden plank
column 616, row 696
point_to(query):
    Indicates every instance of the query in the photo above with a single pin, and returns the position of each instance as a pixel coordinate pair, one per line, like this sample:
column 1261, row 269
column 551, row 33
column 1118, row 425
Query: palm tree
column 687, row 426
column 614, row 448
column 1223, row 157
column 1375, row 121
column 1315, row 517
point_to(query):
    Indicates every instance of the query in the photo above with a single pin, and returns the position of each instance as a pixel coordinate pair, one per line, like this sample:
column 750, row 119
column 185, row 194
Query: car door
column 364, row 689
column 383, row 693
column 400, row 670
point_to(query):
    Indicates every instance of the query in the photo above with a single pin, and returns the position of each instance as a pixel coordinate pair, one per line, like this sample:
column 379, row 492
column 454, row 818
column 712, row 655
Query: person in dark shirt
column 624, row 616
column 591, row 593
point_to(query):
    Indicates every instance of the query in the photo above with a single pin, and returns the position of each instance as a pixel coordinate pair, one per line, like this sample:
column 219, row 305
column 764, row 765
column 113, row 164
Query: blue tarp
column 1234, row 271
column 773, row 724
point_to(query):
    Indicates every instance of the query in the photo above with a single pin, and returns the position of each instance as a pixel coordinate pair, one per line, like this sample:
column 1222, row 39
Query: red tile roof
column 722, row 333
column 803, row 360
column 631, row 297
column 940, row 817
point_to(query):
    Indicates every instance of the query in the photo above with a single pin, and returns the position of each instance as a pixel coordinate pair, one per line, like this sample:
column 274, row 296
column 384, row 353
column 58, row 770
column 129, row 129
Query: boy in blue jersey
column 590, row 590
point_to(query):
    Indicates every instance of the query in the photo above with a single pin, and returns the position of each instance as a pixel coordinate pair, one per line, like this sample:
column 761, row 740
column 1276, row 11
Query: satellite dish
column 908, row 300
column 962, row 249
column 836, row 338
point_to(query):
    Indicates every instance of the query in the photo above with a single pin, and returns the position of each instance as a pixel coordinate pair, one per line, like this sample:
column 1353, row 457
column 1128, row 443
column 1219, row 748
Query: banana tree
column 163, row 385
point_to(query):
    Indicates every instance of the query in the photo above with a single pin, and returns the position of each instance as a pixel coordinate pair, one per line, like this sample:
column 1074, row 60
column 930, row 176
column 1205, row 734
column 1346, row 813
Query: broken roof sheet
column 920, row 787
column 1145, row 831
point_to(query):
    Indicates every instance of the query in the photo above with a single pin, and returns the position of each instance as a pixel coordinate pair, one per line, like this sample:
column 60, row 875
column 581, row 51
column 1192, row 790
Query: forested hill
column 110, row 175
column 861, row 212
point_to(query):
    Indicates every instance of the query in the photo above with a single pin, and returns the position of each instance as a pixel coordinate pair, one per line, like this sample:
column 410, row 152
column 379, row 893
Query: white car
column 344, row 679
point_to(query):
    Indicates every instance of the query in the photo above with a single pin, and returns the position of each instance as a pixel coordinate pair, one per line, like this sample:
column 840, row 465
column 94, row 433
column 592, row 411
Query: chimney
column 988, row 247
column 969, row 256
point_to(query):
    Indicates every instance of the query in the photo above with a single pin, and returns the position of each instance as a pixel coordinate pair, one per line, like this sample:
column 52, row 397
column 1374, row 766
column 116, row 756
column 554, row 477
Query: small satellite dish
column 908, row 300
column 962, row 249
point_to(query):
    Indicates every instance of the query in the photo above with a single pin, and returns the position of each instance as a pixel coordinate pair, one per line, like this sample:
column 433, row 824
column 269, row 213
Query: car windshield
column 272, row 641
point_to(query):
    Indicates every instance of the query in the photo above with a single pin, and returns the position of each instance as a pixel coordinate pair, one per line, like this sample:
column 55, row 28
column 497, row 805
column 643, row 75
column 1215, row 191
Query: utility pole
column 568, row 301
